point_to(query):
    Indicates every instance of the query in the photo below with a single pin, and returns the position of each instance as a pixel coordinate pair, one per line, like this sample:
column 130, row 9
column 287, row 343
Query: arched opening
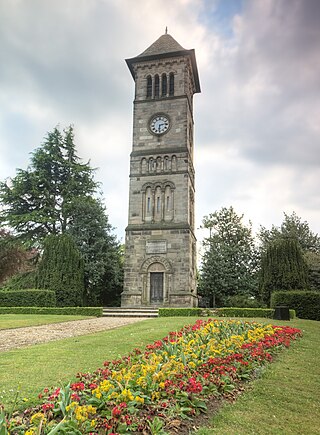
column 171, row 84
column 164, row 85
column 149, row 87
column 156, row 86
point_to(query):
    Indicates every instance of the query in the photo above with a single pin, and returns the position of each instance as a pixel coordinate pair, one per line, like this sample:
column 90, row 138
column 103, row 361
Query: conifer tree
column 282, row 267
column 62, row 270
column 36, row 202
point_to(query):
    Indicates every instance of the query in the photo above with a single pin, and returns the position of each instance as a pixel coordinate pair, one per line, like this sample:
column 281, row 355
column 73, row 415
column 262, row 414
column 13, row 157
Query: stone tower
column 160, row 252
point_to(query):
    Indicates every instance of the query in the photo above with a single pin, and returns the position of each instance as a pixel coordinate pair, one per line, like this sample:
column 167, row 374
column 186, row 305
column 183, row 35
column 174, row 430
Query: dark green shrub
column 62, row 270
column 248, row 312
column 25, row 280
column 243, row 301
column 305, row 303
column 27, row 298
column 175, row 312
column 71, row 311
column 282, row 267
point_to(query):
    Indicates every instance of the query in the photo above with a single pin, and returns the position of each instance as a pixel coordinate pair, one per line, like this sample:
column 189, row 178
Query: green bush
column 62, row 269
column 71, row 311
column 248, row 312
column 21, row 281
column 243, row 301
column 305, row 303
column 175, row 312
column 27, row 298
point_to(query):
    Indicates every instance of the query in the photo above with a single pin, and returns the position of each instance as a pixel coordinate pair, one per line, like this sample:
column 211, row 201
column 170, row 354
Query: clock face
column 159, row 124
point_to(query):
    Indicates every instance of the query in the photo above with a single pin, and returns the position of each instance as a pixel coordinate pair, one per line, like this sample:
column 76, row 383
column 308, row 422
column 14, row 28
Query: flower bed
column 146, row 391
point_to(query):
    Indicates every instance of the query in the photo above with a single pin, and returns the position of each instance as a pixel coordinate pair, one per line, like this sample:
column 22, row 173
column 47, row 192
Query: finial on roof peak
column 166, row 30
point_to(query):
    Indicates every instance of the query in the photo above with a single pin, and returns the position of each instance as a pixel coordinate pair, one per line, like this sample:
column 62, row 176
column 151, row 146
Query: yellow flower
column 155, row 396
column 139, row 399
column 36, row 418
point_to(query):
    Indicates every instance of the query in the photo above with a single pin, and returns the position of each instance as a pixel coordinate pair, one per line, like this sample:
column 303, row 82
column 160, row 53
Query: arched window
column 148, row 204
column 149, row 87
column 171, row 84
column 166, row 163
column 168, row 206
column 174, row 163
column 158, row 205
column 143, row 166
column 151, row 164
column 156, row 86
column 164, row 85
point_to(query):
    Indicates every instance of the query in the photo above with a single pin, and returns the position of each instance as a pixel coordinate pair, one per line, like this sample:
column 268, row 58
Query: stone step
column 130, row 312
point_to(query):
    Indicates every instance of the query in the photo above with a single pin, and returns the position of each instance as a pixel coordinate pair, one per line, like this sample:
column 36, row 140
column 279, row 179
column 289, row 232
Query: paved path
column 20, row 337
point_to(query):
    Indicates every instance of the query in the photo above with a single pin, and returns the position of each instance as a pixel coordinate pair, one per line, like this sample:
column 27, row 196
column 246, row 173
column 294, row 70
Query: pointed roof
column 165, row 44
column 164, row 47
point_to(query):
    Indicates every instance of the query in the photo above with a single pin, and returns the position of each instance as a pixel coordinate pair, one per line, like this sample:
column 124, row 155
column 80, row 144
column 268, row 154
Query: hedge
column 248, row 312
column 306, row 303
column 71, row 311
column 27, row 298
column 220, row 312
column 175, row 312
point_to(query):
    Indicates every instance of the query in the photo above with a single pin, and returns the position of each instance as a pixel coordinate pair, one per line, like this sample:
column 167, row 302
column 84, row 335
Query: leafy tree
column 61, row 269
column 36, row 202
column 90, row 228
column 293, row 227
column 282, row 267
column 12, row 255
column 230, row 258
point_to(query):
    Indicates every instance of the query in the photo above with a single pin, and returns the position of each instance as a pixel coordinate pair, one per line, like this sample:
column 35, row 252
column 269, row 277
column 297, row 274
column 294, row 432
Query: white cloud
column 257, row 119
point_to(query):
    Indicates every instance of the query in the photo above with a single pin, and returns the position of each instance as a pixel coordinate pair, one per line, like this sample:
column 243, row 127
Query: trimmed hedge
column 248, row 312
column 27, row 298
column 71, row 311
column 305, row 303
column 175, row 312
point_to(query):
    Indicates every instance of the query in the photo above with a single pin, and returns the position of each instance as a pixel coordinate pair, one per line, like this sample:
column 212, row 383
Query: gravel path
column 20, row 337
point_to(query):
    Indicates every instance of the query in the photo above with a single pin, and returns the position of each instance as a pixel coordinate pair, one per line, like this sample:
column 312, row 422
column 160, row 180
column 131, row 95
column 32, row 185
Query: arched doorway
column 156, row 273
column 156, row 284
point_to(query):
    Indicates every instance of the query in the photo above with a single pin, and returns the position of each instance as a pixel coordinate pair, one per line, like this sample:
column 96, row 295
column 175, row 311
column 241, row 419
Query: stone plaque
column 156, row 246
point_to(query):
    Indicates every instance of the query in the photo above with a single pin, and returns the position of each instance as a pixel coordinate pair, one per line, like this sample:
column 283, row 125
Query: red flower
column 75, row 397
column 78, row 386
column 116, row 412
column 47, row 406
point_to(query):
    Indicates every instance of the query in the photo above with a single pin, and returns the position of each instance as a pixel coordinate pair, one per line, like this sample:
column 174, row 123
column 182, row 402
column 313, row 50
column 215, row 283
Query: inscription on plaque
column 156, row 247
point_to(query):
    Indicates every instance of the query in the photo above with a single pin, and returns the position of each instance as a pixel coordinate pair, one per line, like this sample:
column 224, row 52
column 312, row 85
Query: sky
column 257, row 119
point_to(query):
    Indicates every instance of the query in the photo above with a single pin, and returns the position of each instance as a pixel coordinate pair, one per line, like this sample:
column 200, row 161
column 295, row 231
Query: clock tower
column 160, row 247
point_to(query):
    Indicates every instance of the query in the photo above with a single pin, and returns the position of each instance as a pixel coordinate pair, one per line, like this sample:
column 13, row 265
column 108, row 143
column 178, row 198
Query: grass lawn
column 9, row 321
column 285, row 400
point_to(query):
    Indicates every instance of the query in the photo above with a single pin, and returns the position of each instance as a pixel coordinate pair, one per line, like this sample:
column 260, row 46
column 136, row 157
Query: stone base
column 177, row 300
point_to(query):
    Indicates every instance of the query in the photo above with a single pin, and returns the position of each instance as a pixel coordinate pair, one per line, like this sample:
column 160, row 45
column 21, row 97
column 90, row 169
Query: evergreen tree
column 62, row 270
column 90, row 228
column 56, row 195
column 36, row 202
column 230, row 258
column 282, row 268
